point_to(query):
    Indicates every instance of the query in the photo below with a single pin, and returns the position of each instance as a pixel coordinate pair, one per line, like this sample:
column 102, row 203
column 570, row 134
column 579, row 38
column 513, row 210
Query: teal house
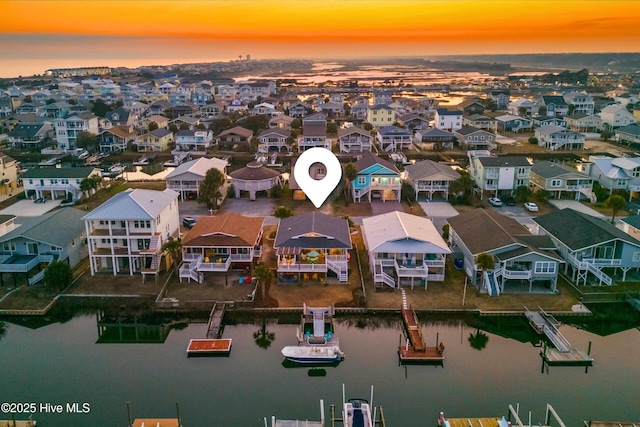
column 377, row 179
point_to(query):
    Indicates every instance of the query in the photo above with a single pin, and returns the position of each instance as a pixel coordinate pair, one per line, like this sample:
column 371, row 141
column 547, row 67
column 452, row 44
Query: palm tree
column 479, row 340
column 616, row 203
column 350, row 173
column 264, row 275
column 485, row 261
column 462, row 188
column 262, row 337
column 174, row 248
column 209, row 188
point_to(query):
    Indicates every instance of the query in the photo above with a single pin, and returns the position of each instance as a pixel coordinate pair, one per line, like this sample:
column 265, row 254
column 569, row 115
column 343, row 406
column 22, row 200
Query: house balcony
column 491, row 187
column 492, row 175
column 431, row 187
column 301, row 268
column 65, row 187
column 215, row 263
column 579, row 187
column 22, row 263
column 525, row 175
column 107, row 232
column 515, row 274
column 177, row 186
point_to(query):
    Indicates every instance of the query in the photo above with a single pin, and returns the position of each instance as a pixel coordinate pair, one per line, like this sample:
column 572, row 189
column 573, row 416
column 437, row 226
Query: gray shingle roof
column 427, row 168
column 500, row 161
column 82, row 172
column 313, row 230
column 547, row 170
column 569, row 227
column 57, row 227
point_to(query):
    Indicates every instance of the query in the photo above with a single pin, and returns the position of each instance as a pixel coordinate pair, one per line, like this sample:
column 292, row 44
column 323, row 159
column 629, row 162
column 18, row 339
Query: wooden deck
column 214, row 327
column 415, row 350
column 209, row 346
column 573, row 357
column 473, row 422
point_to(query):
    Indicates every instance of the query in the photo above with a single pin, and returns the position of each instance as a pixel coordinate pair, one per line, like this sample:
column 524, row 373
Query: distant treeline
column 565, row 76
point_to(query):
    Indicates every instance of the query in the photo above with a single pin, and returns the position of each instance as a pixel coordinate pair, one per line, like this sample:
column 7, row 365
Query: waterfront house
column 559, row 179
column 510, row 123
column 314, row 132
column 430, row 177
column 197, row 140
column 582, row 102
column 274, row 139
column 189, row 122
column 471, row 106
column 380, row 115
column 236, row 135
column 116, row 139
column 448, row 120
column 160, row 121
column 281, row 121
column 382, row 97
column 354, row 139
column 581, row 122
column 404, row 248
column 221, row 243
column 555, row 106
column 523, row 262
column 413, row 122
column 393, row 138
column 331, row 109
column 299, row 109
column 29, row 243
column 30, row 135
column 56, row 183
column 435, row 139
column 616, row 115
column 70, row 126
column 604, row 255
column 500, row 97
column 498, row 174
column 125, row 234
column 155, row 141
column 376, row 178
column 264, row 108
column 210, row 111
column 312, row 246
column 253, row 178
column 473, row 138
column 615, row 173
column 631, row 226
column 359, row 111
column 121, row 117
column 628, row 134
column 186, row 178
column 554, row 137
column 522, row 107
column 481, row 122
column 9, row 169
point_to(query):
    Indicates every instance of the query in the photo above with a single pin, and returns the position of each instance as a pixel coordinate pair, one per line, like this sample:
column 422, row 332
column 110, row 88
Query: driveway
column 379, row 207
column 438, row 209
column 576, row 206
column 29, row 208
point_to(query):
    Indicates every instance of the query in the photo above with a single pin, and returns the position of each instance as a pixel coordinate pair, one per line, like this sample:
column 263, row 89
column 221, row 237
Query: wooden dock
column 611, row 424
column 29, row 423
column 209, row 346
column 213, row 344
column 214, row 327
column 415, row 350
column 562, row 352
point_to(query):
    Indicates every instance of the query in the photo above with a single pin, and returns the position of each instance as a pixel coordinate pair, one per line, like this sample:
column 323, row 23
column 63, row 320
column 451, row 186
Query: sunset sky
column 46, row 34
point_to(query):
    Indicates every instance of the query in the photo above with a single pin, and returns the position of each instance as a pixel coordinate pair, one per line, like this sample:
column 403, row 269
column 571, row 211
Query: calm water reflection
column 63, row 362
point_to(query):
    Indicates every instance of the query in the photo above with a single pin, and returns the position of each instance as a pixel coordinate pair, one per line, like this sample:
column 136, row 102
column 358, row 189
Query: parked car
column 494, row 201
column 188, row 221
column 508, row 200
column 531, row 207
column 40, row 200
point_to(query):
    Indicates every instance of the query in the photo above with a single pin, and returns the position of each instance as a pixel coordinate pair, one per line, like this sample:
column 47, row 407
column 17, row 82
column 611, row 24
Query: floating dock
column 611, row 424
column 550, row 415
column 214, row 344
column 415, row 350
column 209, row 346
column 562, row 352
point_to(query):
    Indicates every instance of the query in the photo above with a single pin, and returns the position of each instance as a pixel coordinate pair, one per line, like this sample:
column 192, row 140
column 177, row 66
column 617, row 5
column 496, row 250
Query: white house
column 553, row 137
column 354, row 139
column 194, row 140
column 68, row 128
column 125, row 234
column 404, row 249
column 186, row 178
column 430, row 177
column 56, row 183
column 617, row 115
column 448, row 120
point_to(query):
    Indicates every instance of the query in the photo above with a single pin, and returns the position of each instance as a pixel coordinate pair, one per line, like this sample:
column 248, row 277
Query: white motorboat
column 357, row 413
column 313, row 354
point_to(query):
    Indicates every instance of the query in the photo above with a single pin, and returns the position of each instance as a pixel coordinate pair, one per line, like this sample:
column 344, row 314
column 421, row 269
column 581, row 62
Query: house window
column 143, row 244
column 362, row 180
column 636, row 257
column 556, row 182
column 545, row 267
column 32, row 248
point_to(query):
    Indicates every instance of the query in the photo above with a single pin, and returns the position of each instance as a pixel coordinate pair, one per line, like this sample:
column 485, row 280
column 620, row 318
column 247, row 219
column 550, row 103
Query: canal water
column 75, row 361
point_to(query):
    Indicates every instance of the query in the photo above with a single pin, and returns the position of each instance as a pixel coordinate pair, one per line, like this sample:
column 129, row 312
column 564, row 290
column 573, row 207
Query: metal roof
column 134, row 204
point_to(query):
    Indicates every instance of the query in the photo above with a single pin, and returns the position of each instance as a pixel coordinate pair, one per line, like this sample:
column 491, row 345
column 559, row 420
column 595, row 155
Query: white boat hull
column 312, row 354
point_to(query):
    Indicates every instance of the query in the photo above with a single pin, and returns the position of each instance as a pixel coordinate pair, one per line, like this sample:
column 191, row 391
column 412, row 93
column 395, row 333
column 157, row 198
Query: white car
column 531, row 207
column 494, row 201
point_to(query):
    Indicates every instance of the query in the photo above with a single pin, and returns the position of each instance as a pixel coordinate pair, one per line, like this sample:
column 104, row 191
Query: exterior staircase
column 189, row 270
column 340, row 267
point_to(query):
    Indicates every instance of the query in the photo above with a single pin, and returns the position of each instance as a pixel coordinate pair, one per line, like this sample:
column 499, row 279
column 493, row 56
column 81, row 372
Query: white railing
column 303, row 268
column 384, row 278
column 517, row 274
column 191, row 256
column 257, row 252
column 439, row 262
column 16, row 268
column 434, row 187
column 215, row 266
column 492, row 175
column 435, row 277
column 603, row 262
column 241, row 257
column 172, row 185
column 35, row 279
column 420, row 271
